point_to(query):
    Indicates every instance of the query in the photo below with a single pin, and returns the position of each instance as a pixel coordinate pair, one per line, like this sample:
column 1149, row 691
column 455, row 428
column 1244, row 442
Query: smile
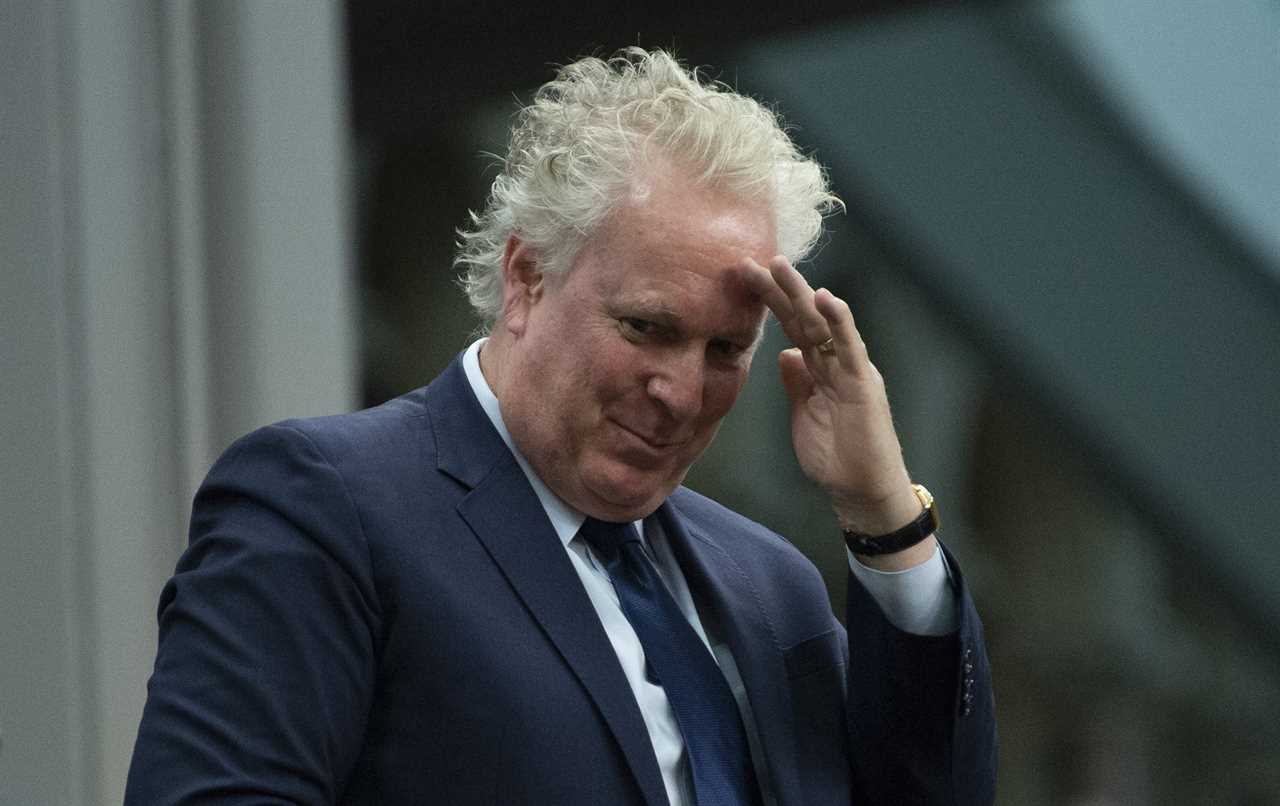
column 654, row 445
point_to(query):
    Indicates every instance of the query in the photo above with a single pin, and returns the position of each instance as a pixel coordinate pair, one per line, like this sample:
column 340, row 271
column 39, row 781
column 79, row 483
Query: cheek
column 720, row 393
column 617, row 372
column 591, row 388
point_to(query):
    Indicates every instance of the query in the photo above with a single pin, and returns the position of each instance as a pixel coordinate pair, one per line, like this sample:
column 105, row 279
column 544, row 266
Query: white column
column 175, row 266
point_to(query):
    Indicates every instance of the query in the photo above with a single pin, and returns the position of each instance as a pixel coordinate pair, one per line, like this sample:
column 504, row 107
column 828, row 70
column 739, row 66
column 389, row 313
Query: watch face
column 929, row 518
column 922, row 492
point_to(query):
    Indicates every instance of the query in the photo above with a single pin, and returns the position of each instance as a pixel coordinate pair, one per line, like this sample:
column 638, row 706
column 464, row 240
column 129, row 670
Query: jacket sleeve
column 921, row 710
column 268, row 633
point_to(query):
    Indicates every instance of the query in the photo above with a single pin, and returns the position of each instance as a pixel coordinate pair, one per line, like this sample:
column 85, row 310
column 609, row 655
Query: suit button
column 968, row 668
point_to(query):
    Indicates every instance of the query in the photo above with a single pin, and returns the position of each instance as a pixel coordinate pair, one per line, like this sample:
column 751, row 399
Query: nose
column 677, row 382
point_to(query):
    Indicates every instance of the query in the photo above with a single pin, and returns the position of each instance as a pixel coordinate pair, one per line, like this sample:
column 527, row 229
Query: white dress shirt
column 916, row 600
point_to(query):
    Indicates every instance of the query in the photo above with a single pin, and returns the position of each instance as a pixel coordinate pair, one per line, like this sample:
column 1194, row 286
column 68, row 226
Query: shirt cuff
column 919, row 600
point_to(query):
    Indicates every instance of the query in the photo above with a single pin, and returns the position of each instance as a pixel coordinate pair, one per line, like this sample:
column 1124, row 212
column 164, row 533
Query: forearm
column 920, row 731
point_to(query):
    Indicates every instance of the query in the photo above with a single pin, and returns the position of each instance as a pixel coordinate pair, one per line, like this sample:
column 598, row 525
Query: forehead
column 680, row 247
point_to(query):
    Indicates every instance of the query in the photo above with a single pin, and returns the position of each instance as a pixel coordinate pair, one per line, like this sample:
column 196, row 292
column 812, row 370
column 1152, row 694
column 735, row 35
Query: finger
column 810, row 324
column 796, row 379
column 850, row 349
column 760, row 281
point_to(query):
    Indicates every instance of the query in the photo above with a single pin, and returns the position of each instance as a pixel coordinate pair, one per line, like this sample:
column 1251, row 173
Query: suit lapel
column 727, row 599
column 509, row 521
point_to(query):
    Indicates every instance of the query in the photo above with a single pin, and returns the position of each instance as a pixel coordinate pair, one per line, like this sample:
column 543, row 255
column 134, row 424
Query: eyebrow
column 656, row 310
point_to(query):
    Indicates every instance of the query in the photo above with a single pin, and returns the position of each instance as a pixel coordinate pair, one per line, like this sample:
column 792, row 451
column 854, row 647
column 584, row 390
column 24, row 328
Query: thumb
column 796, row 379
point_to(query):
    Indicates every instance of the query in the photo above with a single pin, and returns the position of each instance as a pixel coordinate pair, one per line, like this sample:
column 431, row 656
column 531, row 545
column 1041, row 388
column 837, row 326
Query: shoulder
column 384, row 430
column 759, row 550
column 702, row 511
column 758, row 569
column 407, row 431
column 342, row 452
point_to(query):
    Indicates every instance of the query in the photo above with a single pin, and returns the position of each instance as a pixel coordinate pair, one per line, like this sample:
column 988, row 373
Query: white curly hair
column 576, row 149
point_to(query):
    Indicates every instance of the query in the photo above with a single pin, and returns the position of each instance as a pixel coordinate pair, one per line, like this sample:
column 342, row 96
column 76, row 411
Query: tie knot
column 606, row 537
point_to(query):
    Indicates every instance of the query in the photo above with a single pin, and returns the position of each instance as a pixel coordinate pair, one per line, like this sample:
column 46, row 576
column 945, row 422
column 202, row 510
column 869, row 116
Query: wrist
column 880, row 516
column 904, row 560
column 903, row 546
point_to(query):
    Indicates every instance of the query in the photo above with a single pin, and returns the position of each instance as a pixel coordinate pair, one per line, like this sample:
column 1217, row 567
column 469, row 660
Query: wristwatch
column 925, row 524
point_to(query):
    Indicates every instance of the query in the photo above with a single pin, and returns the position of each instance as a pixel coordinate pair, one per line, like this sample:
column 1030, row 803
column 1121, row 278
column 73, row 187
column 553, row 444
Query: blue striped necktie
column 699, row 695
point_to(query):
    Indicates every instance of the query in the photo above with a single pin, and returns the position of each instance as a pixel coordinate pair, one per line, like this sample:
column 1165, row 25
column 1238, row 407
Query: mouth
column 654, row 445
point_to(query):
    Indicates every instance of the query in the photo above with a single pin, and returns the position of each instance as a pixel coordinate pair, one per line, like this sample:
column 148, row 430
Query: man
column 494, row 589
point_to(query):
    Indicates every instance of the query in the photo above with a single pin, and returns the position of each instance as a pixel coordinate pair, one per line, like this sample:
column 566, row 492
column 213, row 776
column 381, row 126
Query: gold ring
column 827, row 347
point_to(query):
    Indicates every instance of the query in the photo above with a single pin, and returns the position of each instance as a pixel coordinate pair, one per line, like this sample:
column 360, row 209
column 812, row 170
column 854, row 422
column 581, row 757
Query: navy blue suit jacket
column 375, row 609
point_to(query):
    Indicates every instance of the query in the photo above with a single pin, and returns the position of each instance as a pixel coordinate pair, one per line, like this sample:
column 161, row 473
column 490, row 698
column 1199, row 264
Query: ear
column 522, row 283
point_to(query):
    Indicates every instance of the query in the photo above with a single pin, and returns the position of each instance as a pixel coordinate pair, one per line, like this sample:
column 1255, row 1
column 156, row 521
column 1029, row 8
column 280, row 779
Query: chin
column 626, row 497
column 619, row 509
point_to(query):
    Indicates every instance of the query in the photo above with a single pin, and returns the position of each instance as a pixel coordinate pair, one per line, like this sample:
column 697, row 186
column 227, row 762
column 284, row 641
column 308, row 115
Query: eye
column 725, row 350
column 634, row 328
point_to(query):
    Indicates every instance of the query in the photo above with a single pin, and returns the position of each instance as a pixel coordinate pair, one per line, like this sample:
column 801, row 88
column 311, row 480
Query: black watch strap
column 925, row 524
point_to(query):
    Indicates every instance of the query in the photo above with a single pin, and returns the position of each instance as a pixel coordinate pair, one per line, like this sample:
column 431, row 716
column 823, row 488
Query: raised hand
column 841, row 426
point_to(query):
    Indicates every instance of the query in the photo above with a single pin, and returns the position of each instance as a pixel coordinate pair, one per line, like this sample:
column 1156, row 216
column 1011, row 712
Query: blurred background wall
column 1062, row 246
